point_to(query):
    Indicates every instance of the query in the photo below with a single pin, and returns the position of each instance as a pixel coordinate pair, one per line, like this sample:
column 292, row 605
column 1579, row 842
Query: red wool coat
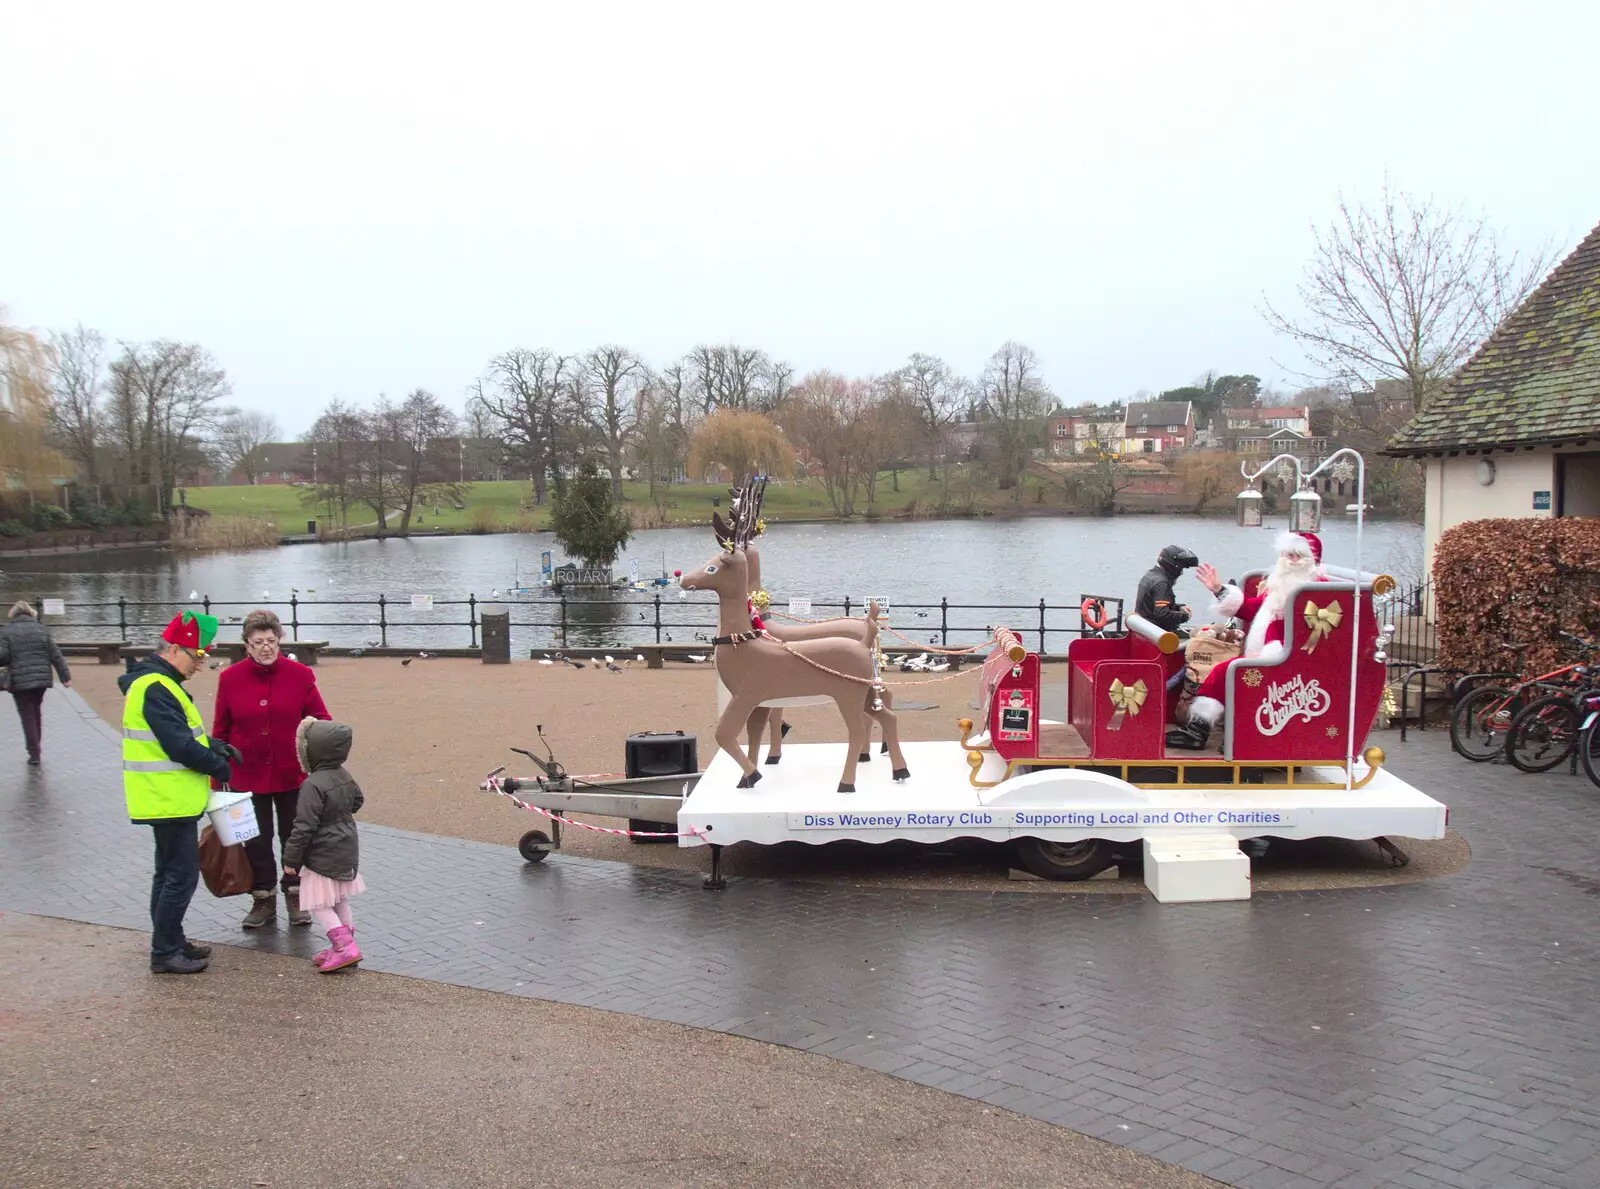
column 259, row 708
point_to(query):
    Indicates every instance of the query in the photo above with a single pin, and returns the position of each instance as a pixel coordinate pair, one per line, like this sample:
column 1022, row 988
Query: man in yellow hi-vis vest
column 167, row 766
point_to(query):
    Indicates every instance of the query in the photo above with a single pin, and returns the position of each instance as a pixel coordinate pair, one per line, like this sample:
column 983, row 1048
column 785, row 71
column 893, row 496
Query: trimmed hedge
column 1516, row 582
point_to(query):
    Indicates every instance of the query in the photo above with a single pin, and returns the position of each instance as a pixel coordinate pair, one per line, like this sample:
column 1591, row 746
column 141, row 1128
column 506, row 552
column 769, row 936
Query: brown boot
column 263, row 911
column 297, row 915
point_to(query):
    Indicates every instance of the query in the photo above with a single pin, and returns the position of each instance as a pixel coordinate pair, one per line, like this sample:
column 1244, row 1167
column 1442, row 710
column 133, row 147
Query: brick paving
column 1434, row 1034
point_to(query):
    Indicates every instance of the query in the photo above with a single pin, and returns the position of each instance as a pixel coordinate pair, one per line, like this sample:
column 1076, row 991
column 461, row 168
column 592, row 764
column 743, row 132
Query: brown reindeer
column 758, row 669
column 745, row 529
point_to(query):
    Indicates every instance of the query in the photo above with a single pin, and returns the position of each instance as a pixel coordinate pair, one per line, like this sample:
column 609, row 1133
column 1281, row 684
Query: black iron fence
column 557, row 620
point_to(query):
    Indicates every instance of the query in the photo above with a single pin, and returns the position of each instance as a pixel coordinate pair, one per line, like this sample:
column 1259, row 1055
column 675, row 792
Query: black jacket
column 1157, row 603
column 29, row 652
column 324, row 835
column 168, row 722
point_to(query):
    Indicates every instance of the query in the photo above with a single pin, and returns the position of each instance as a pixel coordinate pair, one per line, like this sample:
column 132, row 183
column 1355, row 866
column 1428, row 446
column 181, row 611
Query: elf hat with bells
column 192, row 630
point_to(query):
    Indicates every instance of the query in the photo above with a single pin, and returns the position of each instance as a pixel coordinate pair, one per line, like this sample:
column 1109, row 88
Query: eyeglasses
column 268, row 642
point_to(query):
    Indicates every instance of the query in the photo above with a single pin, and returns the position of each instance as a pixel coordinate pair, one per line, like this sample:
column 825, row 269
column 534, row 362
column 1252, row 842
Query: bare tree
column 163, row 402
column 523, row 392
column 1015, row 400
column 615, row 378
column 731, row 377
column 333, row 447
column 1405, row 291
column 240, row 435
column 412, row 471
column 938, row 397
column 828, row 418
column 78, row 390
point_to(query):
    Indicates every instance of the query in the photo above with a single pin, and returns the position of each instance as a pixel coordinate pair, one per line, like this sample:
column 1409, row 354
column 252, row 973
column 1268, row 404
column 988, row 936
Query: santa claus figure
column 1299, row 561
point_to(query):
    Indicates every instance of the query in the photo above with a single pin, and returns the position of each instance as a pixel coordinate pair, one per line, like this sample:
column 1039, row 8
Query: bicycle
column 1545, row 731
column 1589, row 737
column 1481, row 719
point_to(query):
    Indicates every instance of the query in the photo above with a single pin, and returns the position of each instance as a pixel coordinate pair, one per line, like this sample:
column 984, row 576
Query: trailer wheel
column 534, row 846
column 1064, row 860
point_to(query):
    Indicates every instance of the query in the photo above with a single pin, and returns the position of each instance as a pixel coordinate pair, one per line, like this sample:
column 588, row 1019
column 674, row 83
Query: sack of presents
column 1208, row 648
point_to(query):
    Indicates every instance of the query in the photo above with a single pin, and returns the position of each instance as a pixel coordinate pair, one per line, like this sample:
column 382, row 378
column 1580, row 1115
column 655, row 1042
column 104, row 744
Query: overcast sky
column 354, row 204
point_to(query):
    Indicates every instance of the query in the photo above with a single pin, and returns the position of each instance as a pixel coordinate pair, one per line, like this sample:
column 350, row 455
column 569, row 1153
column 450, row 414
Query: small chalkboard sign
column 1016, row 720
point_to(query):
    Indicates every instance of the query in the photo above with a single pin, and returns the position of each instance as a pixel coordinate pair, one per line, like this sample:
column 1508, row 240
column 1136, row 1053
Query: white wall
column 1455, row 496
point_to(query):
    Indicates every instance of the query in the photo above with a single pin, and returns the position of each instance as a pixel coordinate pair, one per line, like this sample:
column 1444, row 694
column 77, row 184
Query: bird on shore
column 698, row 660
column 405, row 662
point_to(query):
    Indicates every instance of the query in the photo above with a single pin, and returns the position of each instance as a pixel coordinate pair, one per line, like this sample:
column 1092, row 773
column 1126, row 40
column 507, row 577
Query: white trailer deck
column 796, row 802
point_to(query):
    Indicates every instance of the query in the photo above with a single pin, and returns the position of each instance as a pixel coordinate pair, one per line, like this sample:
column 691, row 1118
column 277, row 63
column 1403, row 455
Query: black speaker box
column 660, row 753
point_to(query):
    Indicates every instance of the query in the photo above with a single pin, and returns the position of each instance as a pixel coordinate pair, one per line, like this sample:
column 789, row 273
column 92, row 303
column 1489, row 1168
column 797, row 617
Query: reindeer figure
column 757, row 669
column 745, row 503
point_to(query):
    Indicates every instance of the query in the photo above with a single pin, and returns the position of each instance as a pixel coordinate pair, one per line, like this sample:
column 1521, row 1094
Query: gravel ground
column 426, row 732
column 260, row 1072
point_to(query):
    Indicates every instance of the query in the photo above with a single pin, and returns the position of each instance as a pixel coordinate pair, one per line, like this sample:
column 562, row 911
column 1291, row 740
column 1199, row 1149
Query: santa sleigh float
column 1290, row 758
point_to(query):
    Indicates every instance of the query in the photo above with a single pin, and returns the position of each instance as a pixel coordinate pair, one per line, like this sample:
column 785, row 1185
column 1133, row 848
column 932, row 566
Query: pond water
column 980, row 566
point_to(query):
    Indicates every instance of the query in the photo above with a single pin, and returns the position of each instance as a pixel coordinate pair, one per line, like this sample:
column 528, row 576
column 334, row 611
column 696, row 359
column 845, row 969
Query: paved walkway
column 1436, row 1034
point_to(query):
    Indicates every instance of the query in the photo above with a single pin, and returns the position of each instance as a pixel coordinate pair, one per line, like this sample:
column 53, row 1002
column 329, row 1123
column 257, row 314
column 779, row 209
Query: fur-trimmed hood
column 322, row 744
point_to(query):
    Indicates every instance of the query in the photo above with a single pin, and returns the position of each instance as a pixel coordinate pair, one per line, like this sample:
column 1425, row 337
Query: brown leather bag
column 226, row 869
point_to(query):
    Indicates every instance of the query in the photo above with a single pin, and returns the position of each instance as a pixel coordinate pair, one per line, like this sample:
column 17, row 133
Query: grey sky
column 343, row 199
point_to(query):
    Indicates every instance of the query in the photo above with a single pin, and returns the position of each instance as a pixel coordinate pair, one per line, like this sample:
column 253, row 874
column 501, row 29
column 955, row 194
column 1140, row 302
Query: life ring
column 1094, row 614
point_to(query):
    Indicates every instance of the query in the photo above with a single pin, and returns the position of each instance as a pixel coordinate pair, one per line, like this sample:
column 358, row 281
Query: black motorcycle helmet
column 1175, row 559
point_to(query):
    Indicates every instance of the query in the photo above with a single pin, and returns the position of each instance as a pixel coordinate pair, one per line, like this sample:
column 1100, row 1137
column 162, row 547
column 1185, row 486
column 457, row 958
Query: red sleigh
column 1309, row 705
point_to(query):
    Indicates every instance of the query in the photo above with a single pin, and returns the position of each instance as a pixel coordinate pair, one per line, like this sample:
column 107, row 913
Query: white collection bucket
column 232, row 816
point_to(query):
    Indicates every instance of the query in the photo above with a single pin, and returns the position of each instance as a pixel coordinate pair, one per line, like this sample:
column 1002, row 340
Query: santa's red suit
column 1299, row 560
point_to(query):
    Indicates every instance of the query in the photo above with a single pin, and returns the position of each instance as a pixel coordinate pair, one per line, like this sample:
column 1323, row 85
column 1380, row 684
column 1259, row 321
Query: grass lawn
column 683, row 503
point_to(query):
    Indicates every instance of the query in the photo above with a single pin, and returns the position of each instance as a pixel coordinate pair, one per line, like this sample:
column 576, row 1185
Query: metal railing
column 558, row 621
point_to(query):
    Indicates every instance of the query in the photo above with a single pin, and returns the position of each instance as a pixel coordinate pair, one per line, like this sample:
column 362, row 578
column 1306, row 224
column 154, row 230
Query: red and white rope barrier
column 493, row 785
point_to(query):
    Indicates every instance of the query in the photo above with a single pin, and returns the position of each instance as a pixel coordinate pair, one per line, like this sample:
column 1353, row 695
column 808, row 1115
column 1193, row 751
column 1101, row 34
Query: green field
column 681, row 503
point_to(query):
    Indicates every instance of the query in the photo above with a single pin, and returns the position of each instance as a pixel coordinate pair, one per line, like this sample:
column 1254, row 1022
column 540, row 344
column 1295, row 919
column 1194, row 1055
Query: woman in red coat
column 260, row 702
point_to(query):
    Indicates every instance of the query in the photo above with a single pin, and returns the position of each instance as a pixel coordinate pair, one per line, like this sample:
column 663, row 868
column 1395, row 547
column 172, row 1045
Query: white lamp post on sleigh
column 1305, row 516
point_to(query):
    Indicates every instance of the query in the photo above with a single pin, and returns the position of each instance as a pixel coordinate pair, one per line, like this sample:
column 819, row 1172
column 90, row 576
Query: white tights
column 331, row 918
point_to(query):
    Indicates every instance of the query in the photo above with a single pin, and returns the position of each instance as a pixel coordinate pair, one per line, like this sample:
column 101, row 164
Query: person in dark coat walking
column 33, row 660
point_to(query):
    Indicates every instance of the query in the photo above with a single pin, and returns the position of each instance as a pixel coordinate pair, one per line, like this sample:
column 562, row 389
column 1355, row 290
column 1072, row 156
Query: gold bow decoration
column 1321, row 621
column 1125, row 700
column 761, row 600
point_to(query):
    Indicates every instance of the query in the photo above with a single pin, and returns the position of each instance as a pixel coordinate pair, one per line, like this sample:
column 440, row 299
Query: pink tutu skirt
column 318, row 891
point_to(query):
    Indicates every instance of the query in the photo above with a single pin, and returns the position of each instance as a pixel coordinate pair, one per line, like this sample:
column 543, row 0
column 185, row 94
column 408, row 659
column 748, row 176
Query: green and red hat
column 190, row 629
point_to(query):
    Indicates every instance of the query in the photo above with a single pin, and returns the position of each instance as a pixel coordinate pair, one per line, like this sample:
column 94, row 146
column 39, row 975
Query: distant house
column 1158, row 427
column 1516, row 432
column 274, row 462
column 1233, row 427
column 1076, row 431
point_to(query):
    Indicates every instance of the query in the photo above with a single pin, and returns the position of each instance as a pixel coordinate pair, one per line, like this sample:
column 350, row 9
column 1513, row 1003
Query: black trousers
column 176, row 877
column 30, row 711
column 263, row 866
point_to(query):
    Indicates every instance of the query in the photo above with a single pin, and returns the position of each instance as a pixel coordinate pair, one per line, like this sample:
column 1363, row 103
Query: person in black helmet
column 1155, row 600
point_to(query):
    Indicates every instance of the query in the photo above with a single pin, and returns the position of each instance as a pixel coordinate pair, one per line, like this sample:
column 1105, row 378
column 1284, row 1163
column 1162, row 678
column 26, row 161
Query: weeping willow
column 27, row 462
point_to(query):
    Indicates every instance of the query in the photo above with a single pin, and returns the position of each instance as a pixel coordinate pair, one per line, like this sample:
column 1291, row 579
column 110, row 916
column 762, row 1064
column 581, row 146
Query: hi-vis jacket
column 166, row 768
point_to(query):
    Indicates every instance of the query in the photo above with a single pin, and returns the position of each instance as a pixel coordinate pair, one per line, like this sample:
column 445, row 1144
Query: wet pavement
column 1432, row 1034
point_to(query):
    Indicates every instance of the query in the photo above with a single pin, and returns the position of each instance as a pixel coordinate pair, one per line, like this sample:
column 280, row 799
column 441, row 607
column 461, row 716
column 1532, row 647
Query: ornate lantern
column 1305, row 511
column 1248, row 505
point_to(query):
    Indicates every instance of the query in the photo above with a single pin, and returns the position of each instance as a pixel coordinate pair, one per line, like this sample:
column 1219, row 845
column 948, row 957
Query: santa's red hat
column 1303, row 544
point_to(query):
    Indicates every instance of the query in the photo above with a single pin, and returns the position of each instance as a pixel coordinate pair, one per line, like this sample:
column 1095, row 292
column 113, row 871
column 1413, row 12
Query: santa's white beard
column 1285, row 575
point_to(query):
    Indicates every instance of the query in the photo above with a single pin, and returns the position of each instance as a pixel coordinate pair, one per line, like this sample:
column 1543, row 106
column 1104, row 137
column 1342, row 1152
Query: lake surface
column 981, row 564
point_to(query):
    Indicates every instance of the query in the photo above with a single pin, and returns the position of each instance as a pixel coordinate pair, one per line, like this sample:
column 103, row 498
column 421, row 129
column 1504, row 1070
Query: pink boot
column 344, row 951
